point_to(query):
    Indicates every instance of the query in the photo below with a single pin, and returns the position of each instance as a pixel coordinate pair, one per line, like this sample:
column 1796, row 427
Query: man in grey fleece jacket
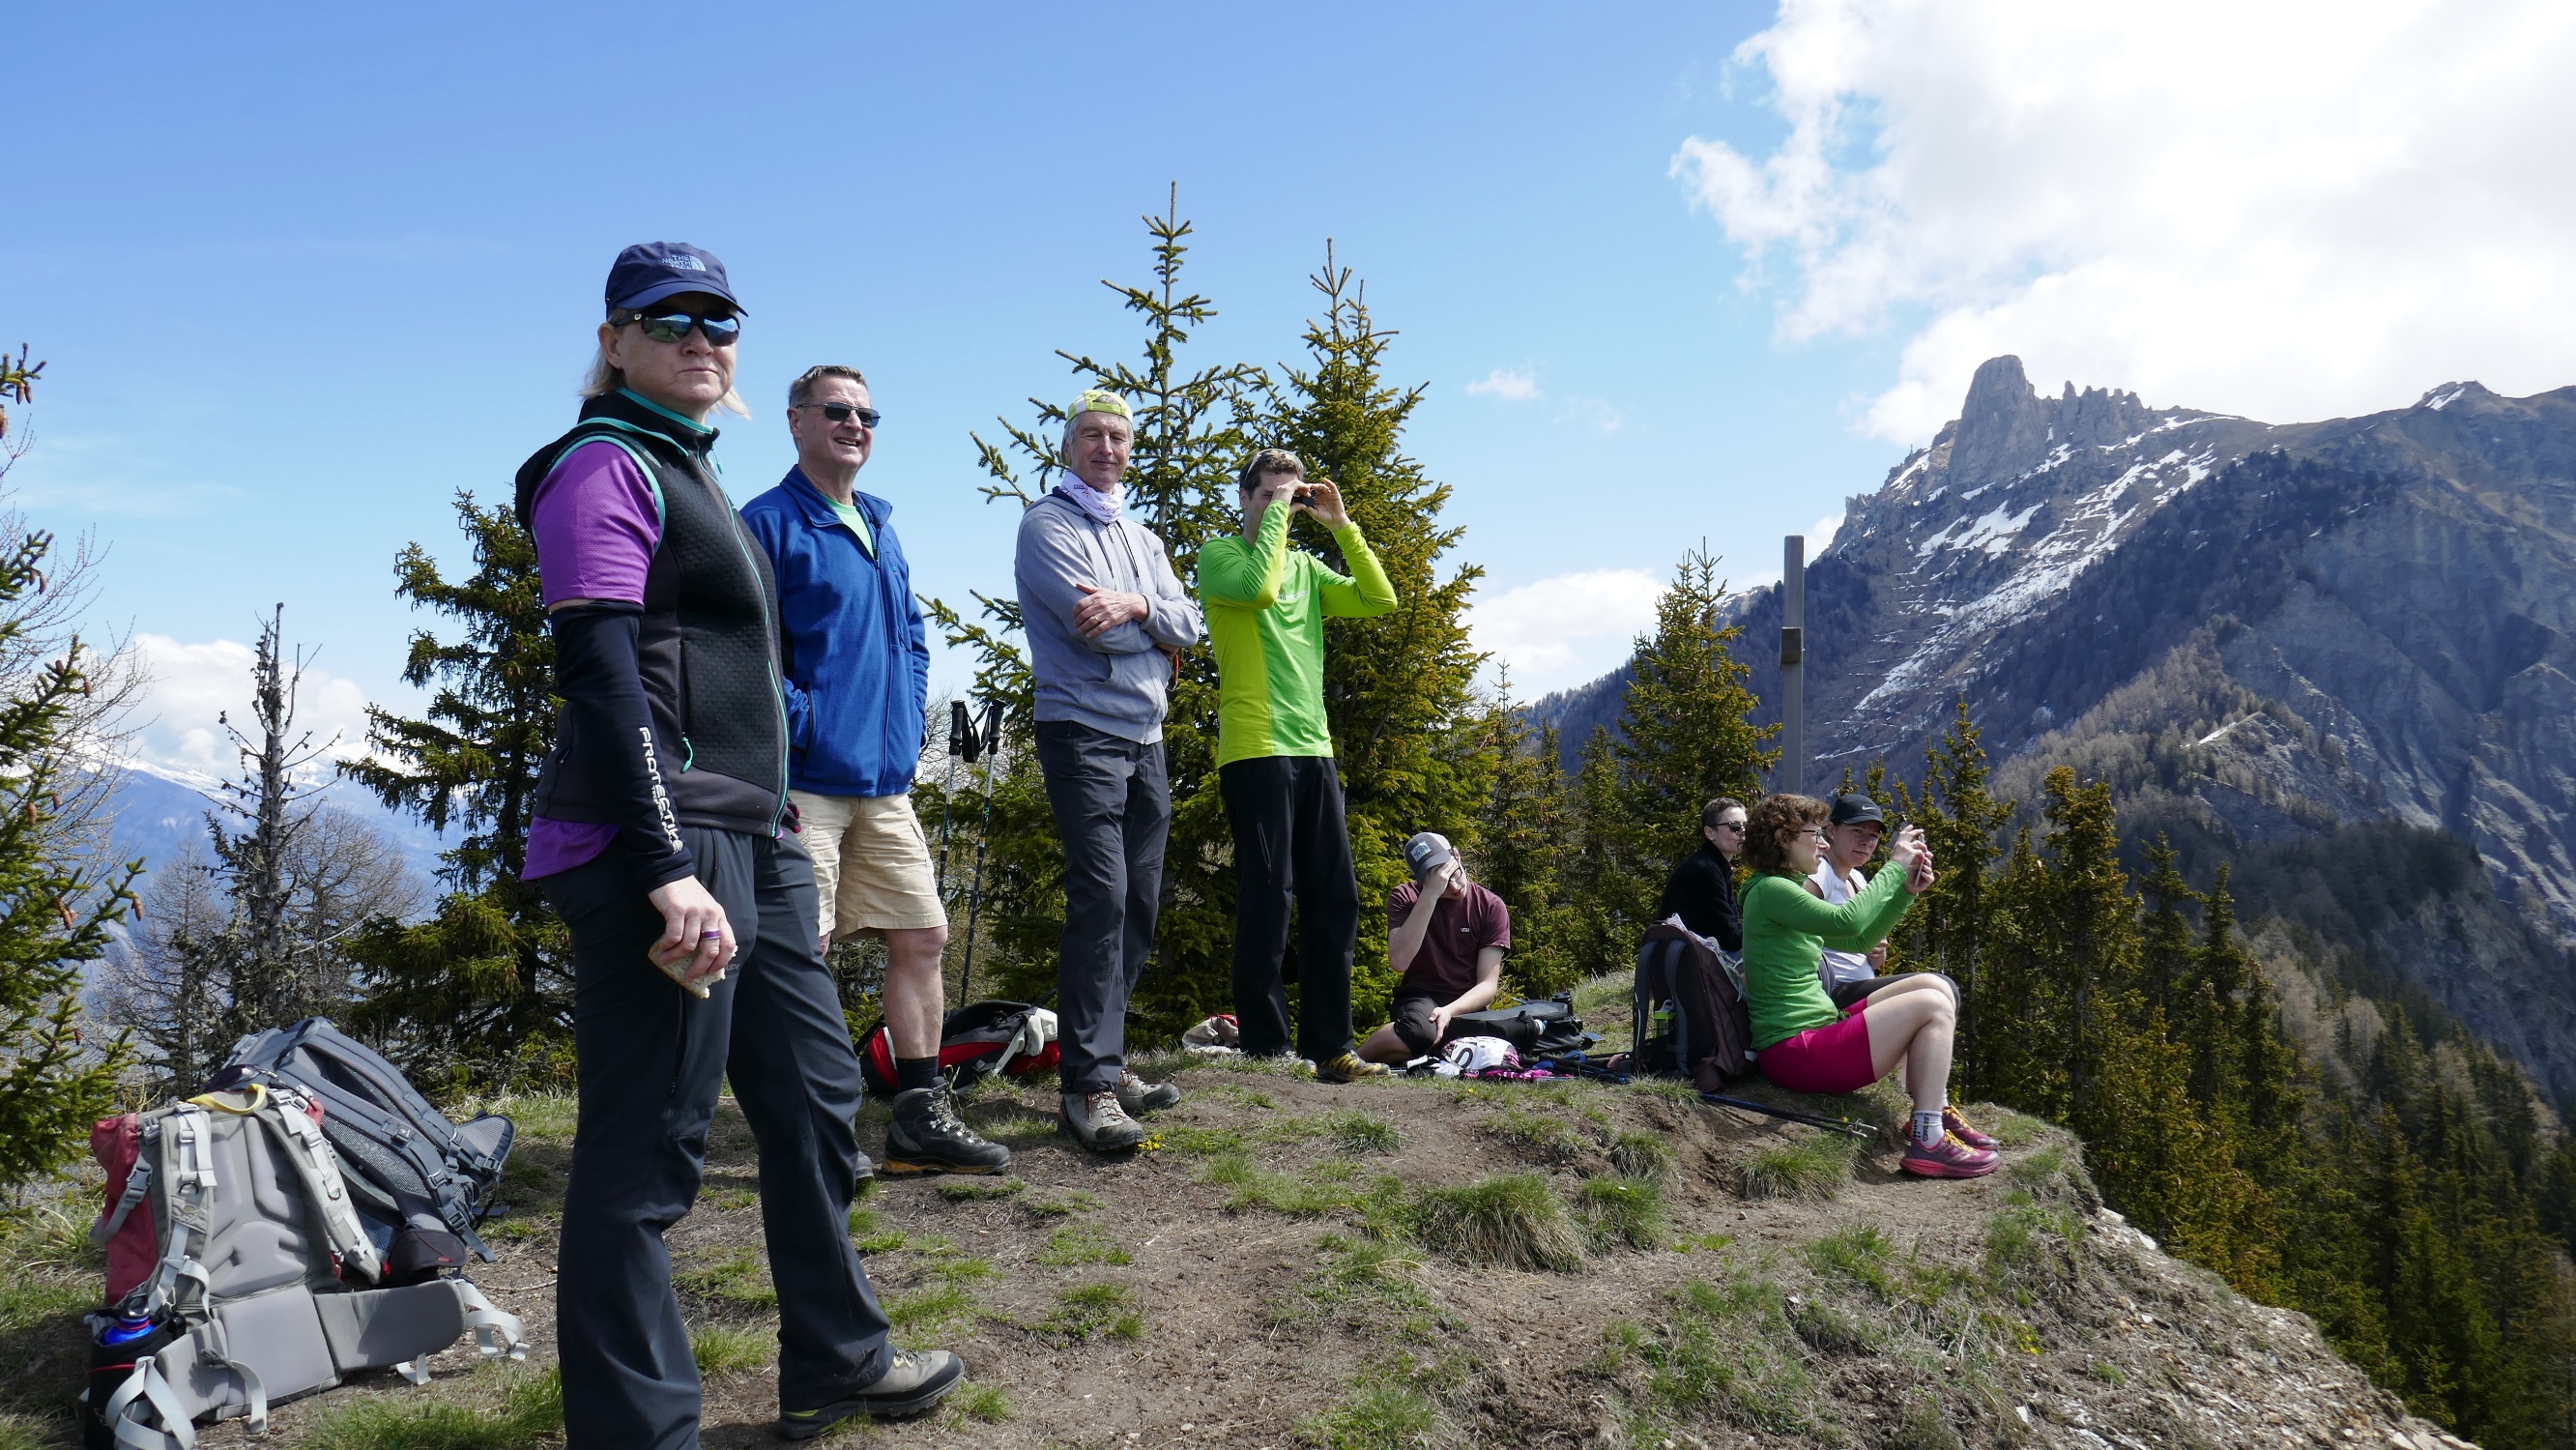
column 1106, row 621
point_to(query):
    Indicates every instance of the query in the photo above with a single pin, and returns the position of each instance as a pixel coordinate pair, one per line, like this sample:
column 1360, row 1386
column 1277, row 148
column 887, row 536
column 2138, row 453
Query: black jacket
column 672, row 713
column 1702, row 891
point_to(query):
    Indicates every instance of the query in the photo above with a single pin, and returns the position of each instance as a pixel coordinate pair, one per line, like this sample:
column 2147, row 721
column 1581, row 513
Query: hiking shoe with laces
column 1957, row 1124
column 1139, row 1096
column 927, row 1136
column 1949, row 1158
column 1349, row 1067
column 914, row 1383
column 1098, row 1123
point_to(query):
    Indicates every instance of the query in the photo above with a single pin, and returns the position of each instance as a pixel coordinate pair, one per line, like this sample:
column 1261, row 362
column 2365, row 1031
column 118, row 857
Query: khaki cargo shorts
column 871, row 863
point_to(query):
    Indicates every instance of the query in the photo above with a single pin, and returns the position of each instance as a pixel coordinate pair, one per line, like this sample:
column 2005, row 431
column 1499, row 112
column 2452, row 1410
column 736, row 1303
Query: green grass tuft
column 1923, row 1426
column 21, row 1432
column 870, row 1232
column 1368, row 1285
column 983, row 1403
column 1641, row 1155
column 1861, row 1253
column 974, row 1190
column 1544, row 1135
column 1061, row 1203
column 1624, row 1211
column 1199, row 1142
column 719, row 1350
column 928, row 1311
column 1377, row 1417
column 1353, row 1131
column 1809, row 1168
column 1326, row 1187
column 530, row 1410
column 1727, row 1347
column 1832, row 1329
column 738, row 1279
column 1081, row 1244
column 1511, row 1220
column 1088, row 1309
column 956, row 1270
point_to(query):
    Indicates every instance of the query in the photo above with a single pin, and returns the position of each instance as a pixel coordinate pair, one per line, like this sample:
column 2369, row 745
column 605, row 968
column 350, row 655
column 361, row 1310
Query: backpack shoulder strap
column 317, row 1168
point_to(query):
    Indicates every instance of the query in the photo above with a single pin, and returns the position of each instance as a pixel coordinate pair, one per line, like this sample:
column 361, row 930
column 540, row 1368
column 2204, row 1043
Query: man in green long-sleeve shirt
column 1265, row 605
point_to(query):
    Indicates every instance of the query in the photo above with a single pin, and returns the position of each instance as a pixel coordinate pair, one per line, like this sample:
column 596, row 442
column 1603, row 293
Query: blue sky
column 302, row 273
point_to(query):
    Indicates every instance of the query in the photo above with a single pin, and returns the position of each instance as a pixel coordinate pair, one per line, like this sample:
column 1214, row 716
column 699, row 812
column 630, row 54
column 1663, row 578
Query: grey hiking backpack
column 261, row 1290
column 420, row 1180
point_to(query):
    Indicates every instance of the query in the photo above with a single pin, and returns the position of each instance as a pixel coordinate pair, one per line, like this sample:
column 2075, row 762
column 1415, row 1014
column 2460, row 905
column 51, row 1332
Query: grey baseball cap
column 1426, row 851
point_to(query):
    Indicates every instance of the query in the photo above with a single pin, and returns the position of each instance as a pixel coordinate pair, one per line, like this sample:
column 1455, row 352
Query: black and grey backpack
column 275, row 1273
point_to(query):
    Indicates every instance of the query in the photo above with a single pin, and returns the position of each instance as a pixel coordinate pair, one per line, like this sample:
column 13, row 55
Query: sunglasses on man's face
column 844, row 412
column 673, row 326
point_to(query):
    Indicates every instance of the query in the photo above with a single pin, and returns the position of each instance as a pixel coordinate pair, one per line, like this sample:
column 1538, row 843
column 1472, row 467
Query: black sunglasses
column 672, row 326
column 841, row 412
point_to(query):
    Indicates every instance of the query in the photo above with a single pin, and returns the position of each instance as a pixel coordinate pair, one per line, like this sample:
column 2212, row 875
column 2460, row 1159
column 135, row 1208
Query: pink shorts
column 1829, row 1059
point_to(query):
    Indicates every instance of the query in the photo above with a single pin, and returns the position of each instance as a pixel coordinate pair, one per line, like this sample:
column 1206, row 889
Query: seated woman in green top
column 1801, row 1041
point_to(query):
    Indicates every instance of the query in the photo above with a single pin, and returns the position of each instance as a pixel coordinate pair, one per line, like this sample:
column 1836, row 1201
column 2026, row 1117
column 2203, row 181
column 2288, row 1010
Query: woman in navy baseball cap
column 662, row 836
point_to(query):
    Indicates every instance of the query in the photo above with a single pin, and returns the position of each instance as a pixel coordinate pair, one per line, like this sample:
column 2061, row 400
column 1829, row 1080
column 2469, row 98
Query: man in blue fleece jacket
column 857, row 659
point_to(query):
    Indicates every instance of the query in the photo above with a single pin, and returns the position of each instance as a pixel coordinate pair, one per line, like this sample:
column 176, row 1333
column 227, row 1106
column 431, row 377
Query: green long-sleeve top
column 1786, row 932
column 1265, row 606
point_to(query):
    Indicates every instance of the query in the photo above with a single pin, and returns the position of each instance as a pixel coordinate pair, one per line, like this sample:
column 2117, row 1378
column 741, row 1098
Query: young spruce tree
column 485, row 982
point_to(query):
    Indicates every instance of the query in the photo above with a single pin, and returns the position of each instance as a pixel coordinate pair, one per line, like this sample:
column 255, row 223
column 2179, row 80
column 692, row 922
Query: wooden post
column 1791, row 775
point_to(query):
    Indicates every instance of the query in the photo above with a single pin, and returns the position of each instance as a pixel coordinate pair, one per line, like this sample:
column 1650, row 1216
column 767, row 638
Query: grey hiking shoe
column 1098, row 1123
column 1139, row 1096
column 927, row 1136
column 914, row 1383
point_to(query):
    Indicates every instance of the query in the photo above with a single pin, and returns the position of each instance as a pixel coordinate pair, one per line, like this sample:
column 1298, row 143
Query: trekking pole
column 986, row 742
column 957, row 729
column 1852, row 1126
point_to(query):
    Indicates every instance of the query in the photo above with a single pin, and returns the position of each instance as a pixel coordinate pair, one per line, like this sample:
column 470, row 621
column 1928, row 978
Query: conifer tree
column 1399, row 687
column 1179, row 483
column 1522, row 832
column 58, row 1072
column 1954, row 927
column 1605, row 884
column 487, row 978
column 1684, row 733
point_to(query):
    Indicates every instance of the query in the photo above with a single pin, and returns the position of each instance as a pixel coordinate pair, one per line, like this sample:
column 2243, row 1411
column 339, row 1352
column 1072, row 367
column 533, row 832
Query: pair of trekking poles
column 970, row 740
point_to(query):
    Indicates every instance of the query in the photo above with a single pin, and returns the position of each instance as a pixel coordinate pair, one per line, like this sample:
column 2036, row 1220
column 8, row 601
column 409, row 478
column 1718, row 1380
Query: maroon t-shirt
column 1463, row 923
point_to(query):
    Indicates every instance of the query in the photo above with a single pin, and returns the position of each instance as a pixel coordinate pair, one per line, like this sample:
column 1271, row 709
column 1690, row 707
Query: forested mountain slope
column 2260, row 633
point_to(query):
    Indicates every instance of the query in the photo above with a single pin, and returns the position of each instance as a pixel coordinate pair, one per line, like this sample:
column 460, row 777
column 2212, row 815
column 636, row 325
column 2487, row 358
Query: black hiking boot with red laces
column 927, row 1136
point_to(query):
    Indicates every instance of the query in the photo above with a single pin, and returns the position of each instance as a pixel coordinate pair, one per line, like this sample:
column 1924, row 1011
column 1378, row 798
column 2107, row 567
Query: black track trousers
column 1290, row 842
column 652, row 1060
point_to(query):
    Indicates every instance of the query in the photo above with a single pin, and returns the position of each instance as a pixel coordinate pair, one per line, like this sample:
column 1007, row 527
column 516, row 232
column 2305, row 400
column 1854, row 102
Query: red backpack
column 971, row 1040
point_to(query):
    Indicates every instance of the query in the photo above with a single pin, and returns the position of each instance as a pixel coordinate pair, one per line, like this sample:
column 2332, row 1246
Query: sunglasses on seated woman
column 721, row 331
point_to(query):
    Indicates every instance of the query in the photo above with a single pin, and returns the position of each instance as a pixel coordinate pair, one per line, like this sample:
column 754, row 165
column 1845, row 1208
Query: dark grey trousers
column 652, row 1060
column 1113, row 807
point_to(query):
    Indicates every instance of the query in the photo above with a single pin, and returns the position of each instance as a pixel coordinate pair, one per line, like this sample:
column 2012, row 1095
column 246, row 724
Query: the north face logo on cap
column 686, row 263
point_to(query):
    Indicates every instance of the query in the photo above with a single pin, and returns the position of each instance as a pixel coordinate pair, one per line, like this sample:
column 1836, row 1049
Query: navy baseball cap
column 650, row 271
column 1854, row 809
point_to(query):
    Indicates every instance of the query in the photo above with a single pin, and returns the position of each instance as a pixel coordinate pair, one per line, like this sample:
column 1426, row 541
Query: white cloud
column 1512, row 385
column 1566, row 629
column 2291, row 211
column 192, row 684
column 1820, row 536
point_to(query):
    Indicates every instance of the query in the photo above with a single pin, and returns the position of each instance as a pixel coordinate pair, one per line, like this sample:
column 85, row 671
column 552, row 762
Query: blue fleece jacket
column 851, row 640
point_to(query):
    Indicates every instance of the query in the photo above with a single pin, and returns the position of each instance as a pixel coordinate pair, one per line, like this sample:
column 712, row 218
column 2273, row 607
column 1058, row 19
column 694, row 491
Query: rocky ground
column 1418, row 1263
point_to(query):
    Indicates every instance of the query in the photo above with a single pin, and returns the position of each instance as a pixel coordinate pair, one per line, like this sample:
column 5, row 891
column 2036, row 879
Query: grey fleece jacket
column 1117, row 681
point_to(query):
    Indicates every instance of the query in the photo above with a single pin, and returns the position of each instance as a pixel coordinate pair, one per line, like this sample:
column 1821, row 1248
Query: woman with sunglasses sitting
column 661, row 836
column 1801, row 1041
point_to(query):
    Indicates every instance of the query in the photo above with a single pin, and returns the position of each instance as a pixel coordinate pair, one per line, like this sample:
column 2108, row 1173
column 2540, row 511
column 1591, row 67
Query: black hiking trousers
column 652, row 1060
column 1291, row 842
column 1113, row 809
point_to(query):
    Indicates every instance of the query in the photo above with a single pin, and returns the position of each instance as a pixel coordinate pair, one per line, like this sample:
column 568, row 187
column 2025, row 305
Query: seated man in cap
column 1852, row 834
column 1445, row 937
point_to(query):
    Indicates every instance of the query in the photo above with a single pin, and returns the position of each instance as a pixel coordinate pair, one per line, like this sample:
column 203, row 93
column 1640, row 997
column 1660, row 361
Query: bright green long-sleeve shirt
column 1786, row 932
column 1265, row 606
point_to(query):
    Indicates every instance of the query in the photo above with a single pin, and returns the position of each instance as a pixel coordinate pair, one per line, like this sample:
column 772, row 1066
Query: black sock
column 915, row 1072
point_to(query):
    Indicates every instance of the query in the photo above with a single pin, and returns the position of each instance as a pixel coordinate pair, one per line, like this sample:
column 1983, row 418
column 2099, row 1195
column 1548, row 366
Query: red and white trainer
column 1957, row 1123
column 1949, row 1158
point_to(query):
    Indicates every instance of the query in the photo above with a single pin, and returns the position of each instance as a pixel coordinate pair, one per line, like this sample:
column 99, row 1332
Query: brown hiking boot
column 1098, row 1123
